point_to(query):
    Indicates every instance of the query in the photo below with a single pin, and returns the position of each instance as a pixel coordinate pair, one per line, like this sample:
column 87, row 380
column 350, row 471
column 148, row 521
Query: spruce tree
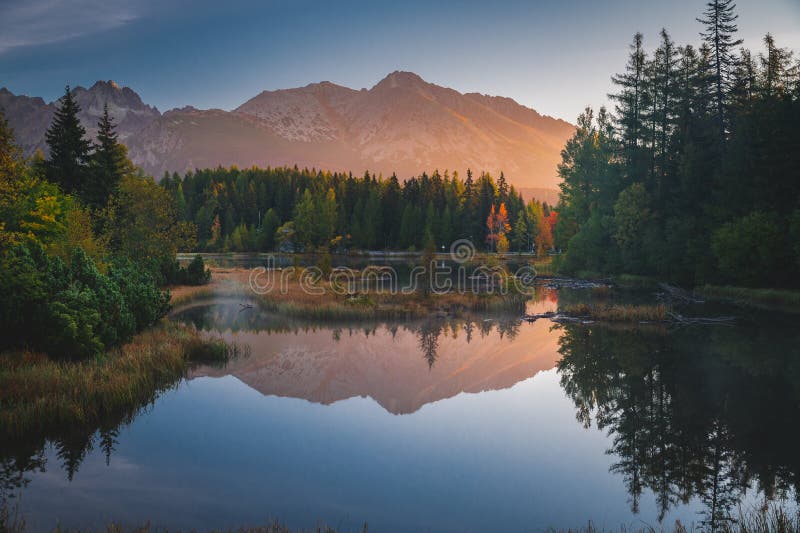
column 109, row 163
column 629, row 99
column 69, row 149
column 720, row 22
column 665, row 82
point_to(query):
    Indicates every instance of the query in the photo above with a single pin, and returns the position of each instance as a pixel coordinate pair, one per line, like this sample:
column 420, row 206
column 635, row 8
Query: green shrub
column 172, row 273
column 196, row 273
column 147, row 303
column 72, row 311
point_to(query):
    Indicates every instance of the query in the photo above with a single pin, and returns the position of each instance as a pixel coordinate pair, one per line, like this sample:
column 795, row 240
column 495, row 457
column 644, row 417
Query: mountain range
column 403, row 124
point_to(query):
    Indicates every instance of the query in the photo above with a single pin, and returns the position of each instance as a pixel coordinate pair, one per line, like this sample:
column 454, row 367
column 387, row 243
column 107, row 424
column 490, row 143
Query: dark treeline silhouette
column 290, row 209
column 695, row 413
column 696, row 176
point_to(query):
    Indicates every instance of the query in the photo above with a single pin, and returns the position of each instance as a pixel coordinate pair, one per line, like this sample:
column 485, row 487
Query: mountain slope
column 402, row 124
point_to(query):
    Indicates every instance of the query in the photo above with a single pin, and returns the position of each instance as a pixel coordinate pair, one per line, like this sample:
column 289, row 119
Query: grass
column 38, row 393
column 275, row 527
column 329, row 305
column 773, row 519
column 384, row 305
column 783, row 299
column 617, row 312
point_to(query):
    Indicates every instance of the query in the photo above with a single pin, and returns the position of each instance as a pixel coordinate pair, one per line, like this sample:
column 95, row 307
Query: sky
column 554, row 56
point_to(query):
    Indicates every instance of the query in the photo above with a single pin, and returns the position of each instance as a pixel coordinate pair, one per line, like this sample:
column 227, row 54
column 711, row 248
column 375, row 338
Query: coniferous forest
column 695, row 175
column 288, row 209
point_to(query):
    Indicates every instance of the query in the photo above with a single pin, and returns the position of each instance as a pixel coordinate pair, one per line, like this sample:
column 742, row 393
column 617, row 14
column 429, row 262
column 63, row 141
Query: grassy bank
column 38, row 393
column 325, row 303
column 617, row 312
column 782, row 299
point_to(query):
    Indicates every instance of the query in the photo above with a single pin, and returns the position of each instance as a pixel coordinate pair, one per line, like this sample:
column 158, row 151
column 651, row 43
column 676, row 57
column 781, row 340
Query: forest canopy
column 289, row 209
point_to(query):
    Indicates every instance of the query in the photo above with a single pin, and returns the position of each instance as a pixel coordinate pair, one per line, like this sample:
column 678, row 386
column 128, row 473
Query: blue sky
column 554, row 56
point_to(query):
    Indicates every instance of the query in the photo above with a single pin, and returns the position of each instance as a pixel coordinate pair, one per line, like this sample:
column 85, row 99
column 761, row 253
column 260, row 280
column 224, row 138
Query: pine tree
column 109, row 163
column 629, row 99
column 776, row 64
column 720, row 22
column 520, row 234
column 269, row 225
column 69, row 149
column 666, row 81
column 502, row 189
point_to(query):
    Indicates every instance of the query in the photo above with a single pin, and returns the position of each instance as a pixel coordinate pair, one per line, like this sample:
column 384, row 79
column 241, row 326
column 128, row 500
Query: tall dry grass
column 37, row 392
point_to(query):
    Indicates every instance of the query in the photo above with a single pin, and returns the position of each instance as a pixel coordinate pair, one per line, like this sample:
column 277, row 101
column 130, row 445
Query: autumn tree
column 497, row 226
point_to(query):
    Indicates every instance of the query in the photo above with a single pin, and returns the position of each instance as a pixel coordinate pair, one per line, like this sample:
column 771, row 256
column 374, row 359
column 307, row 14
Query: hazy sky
column 553, row 55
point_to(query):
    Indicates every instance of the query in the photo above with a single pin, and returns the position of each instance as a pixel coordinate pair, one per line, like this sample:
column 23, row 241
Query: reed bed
column 327, row 304
column 275, row 527
column 771, row 520
column 37, row 393
column 618, row 312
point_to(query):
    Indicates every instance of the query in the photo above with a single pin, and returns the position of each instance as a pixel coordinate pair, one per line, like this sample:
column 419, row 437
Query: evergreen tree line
column 85, row 242
column 695, row 177
column 290, row 209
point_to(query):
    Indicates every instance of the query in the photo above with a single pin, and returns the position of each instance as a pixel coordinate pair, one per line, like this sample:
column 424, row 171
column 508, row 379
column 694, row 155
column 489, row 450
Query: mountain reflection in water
column 402, row 366
column 697, row 418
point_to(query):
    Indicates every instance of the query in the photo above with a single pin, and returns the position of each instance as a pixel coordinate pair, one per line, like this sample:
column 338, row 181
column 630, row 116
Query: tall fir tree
column 719, row 20
column 67, row 164
column 629, row 100
column 109, row 163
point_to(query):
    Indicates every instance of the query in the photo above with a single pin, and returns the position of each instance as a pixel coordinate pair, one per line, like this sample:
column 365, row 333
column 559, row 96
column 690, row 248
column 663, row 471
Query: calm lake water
column 491, row 424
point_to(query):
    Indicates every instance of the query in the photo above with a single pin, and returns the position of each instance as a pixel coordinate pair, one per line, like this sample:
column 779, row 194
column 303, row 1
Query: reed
column 327, row 304
column 617, row 312
column 770, row 520
column 274, row 527
column 37, row 393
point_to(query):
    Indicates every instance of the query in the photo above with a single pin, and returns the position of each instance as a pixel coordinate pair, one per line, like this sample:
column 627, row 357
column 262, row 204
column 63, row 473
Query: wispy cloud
column 38, row 22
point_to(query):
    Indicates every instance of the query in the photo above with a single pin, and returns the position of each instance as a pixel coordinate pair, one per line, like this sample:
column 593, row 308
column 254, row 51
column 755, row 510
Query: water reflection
column 24, row 453
column 699, row 414
column 400, row 365
column 702, row 412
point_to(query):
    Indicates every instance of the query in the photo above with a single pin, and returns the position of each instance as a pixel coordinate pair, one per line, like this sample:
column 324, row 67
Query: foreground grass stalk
column 38, row 393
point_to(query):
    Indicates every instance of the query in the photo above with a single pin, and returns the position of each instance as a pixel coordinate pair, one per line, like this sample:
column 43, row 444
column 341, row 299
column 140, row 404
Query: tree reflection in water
column 701, row 412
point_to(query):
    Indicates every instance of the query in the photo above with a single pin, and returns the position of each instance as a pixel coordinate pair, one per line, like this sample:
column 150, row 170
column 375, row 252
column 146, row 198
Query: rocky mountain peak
column 400, row 79
column 403, row 124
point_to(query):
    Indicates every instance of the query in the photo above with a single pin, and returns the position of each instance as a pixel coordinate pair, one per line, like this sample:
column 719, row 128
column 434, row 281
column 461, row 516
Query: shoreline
column 40, row 394
column 329, row 304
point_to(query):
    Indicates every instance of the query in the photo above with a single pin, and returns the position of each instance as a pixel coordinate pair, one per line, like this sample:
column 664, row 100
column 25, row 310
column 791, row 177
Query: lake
column 445, row 424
